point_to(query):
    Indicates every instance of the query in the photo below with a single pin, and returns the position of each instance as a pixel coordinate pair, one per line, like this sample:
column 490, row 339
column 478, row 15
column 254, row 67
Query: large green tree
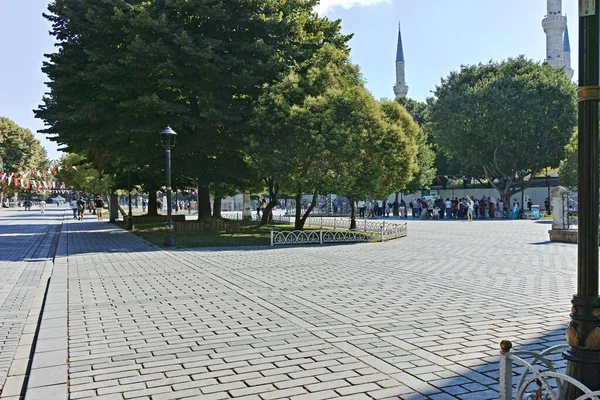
column 295, row 126
column 125, row 68
column 569, row 165
column 504, row 121
column 428, row 159
column 20, row 153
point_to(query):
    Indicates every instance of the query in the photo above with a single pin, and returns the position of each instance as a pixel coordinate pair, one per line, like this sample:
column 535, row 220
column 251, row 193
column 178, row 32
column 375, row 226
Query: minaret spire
column 400, row 88
column 567, row 54
column 558, row 48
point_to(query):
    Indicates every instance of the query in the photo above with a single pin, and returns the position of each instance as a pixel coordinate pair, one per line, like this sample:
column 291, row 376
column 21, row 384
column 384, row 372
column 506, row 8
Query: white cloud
column 326, row 5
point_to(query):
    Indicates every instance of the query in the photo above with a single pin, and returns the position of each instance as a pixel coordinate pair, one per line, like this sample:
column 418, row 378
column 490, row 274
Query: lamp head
column 168, row 137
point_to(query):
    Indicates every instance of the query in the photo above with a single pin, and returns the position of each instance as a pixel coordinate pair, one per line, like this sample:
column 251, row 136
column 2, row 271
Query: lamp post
column 167, row 138
column 130, row 214
column 583, row 356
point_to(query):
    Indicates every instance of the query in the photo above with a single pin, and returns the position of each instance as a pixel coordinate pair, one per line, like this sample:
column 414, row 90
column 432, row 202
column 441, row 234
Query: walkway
column 420, row 317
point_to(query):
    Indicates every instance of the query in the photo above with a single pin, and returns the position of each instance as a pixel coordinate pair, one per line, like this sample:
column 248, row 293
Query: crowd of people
column 437, row 208
column 93, row 205
column 176, row 206
column 464, row 208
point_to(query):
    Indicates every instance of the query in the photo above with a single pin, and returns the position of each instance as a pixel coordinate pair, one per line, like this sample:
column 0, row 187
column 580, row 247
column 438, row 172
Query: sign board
column 587, row 8
column 433, row 193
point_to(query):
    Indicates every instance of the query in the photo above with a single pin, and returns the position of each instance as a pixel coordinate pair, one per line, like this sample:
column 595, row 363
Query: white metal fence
column 317, row 237
column 365, row 231
column 538, row 376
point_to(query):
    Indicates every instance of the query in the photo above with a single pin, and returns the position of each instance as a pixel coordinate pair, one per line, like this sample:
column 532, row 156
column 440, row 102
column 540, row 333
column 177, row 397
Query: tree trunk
column 273, row 193
column 203, row 203
column 217, row 202
column 300, row 223
column 298, row 209
column 353, row 213
column 152, row 203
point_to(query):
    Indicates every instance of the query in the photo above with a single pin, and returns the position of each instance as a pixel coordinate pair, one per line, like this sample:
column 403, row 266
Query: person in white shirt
column 362, row 207
column 43, row 206
column 448, row 205
column 74, row 208
column 470, row 207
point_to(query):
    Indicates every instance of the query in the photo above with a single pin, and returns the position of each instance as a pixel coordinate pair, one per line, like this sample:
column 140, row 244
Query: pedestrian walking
column 80, row 209
column 43, row 206
column 99, row 204
column 74, row 208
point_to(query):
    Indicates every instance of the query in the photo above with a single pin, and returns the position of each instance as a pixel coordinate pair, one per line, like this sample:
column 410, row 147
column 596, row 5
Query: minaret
column 400, row 88
column 567, row 54
column 555, row 25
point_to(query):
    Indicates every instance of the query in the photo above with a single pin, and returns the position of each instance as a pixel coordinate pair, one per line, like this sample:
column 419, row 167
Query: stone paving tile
column 25, row 264
column 419, row 317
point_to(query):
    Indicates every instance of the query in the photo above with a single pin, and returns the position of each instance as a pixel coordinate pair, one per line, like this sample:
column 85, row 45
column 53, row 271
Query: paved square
column 419, row 317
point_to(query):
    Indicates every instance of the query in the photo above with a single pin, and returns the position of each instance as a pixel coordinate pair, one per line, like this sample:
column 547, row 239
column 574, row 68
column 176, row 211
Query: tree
column 381, row 153
column 504, row 121
column 20, row 153
column 427, row 155
column 417, row 109
column 124, row 69
column 80, row 174
column 569, row 165
column 294, row 123
column 426, row 158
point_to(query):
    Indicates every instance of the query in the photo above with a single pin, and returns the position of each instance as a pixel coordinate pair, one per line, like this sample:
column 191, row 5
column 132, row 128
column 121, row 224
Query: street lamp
column 583, row 355
column 167, row 139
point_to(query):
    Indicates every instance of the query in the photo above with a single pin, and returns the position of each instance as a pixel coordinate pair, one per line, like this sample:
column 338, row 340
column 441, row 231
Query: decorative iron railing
column 540, row 377
column 317, row 237
column 370, row 230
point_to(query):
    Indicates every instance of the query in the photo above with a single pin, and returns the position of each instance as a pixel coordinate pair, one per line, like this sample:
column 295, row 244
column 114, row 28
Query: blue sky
column 438, row 36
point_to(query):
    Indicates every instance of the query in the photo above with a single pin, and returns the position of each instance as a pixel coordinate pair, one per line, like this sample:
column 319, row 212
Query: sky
column 438, row 37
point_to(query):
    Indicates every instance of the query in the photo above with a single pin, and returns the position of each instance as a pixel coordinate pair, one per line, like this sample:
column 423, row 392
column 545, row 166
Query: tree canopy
column 503, row 121
column 20, row 151
column 259, row 92
column 20, row 154
column 124, row 69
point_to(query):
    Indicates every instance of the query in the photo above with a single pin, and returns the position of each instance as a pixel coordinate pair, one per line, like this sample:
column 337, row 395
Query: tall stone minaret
column 567, row 54
column 558, row 48
column 400, row 88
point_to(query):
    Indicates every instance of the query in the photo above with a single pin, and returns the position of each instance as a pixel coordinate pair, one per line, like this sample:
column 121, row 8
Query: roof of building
column 400, row 50
column 566, row 42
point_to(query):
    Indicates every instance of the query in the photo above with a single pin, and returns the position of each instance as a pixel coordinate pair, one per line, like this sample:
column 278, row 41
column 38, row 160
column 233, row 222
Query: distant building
column 400, row 88
column 558, row 47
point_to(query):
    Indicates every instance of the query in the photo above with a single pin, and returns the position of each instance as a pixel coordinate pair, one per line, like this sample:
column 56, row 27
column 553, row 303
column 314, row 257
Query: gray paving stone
column 48, row 376
column 54, row 392
column 420, row 316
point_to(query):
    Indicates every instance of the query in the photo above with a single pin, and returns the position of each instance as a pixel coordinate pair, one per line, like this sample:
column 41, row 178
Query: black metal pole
column 583, row 333
column 130, row 215
column 169, row 238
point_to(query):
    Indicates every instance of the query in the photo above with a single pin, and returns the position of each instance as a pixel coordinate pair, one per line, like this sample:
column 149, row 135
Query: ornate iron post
column 583, row 334
column 168, row 137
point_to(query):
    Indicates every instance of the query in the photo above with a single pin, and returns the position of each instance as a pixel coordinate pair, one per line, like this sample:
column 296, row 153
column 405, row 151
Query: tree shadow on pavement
column 478, row 379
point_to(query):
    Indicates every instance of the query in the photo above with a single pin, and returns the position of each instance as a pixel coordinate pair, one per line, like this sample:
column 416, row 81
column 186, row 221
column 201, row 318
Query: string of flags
column 36, row 180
